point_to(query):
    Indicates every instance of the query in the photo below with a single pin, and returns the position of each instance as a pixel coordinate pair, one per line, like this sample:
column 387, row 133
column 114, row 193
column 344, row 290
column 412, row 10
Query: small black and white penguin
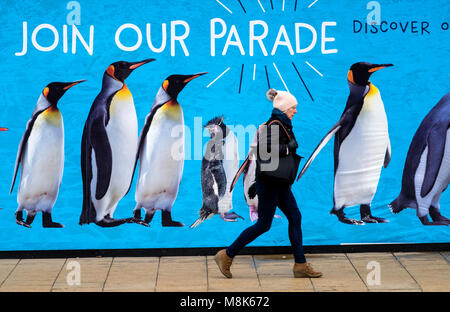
column 219, row 165
column 41, row 153
column 161, row 153
column 427, row 167
column 361, row 146
column 108, row 147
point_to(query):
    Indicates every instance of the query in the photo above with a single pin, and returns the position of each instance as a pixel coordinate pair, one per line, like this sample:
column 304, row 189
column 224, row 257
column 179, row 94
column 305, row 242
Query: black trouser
column 269, row 197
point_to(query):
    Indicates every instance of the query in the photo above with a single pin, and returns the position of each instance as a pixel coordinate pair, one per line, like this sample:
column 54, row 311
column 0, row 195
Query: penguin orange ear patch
column 110, row 71
column 165, row 84
column 350, row 76
column 45, row 92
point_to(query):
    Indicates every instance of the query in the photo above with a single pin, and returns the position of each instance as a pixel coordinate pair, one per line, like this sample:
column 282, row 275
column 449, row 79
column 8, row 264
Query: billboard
column 187, row 63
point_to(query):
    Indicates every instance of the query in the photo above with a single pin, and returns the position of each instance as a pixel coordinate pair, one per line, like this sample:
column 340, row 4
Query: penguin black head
column 55, row 90
column 360, row 73
column 215, row 126
column 175, row 83
column 121, row 70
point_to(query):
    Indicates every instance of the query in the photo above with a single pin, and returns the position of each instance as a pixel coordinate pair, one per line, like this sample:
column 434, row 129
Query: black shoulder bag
column 286, row 171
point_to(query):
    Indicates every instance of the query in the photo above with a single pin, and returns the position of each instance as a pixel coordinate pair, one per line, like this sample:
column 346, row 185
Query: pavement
column 351, row 272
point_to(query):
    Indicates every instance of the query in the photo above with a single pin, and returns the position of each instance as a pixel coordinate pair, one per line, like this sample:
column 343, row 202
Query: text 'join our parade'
column 258, row 37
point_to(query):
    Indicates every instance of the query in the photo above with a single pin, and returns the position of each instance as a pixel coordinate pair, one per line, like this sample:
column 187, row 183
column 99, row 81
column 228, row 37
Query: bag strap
column 281, row 124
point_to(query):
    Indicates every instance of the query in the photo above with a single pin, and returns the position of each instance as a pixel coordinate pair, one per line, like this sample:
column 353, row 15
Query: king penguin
column 361, row 146
column 41, row 152
column 108, row 147
column 427, row 168
column 219, row 165
column 161, row 152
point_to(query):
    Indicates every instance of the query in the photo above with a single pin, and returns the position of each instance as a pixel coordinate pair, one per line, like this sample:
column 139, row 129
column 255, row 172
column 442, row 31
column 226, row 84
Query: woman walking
column 273, row 185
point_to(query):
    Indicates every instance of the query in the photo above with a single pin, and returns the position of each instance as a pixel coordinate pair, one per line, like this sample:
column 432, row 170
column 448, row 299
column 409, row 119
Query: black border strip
column 207, row 251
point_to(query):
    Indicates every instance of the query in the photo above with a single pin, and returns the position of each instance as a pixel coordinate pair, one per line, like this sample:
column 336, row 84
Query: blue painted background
column 409, row 90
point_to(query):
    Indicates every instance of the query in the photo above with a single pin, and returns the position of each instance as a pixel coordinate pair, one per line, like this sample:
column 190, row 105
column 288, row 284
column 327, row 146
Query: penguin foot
column 139, row 221
column 47, row 221
column 19, row 219
column 230, row 216
column 137, row 214
column 166, row 220
column 366, row 215
column 351, row 221
column 137, row 218
column 149, row 217
column 425, row 221
column 436, row 215
column 372, row 219
column 342, row 218
column 110, row 222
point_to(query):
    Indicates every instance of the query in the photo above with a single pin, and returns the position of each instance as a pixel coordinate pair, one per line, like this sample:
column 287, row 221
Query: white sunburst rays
column 312, row 4
column 274, row 65
column 262, row 7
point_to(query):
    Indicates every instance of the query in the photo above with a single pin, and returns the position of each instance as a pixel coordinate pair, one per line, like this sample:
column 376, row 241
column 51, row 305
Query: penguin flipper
column 319, row 147
column 243, row 167
column 436, row 150
column 142, row 136
column 387, row 157
column 103, row 156
column 23, row 144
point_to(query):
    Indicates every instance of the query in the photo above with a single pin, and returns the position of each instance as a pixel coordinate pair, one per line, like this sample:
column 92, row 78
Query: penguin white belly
column 231, row 166
column 162, row 159
column 362, row 155
column 123, row 139
column 442, row 180
column 42, row 163
column 249, row 180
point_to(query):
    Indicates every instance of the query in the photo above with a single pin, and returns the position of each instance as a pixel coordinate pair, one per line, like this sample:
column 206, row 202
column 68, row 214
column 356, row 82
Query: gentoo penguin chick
column 108, row 147
column 361, row 146
column 427, row 167
column 161, row 153
column 219, row 165
column 41, row 153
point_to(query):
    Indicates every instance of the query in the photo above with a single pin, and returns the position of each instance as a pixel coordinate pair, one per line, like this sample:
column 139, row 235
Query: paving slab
column 446, row 255
column 6, row 267
column 182, row 274
column 33, row 275
column 244, row 278
column 93, row 274
column 392, row 275
column 338, row 273
column 275, row 274
column 132, row 274
column 429, row 269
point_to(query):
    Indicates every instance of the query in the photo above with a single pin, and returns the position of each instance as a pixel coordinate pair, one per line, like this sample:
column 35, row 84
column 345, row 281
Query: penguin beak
column 377, row 67
column 3, row 129
column 71, row 84
column 192, row 77
column 135, row 65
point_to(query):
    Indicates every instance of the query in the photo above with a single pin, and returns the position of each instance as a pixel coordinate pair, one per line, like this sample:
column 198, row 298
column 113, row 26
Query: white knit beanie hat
column 281, row 99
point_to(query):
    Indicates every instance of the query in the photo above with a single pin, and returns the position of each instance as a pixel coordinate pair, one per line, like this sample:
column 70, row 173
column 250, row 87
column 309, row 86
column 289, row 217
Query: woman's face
column 291, row 112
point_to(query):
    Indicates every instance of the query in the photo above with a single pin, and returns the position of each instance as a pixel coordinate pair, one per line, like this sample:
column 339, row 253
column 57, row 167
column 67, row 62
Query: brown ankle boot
column 305, row 270
column 224, row 263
